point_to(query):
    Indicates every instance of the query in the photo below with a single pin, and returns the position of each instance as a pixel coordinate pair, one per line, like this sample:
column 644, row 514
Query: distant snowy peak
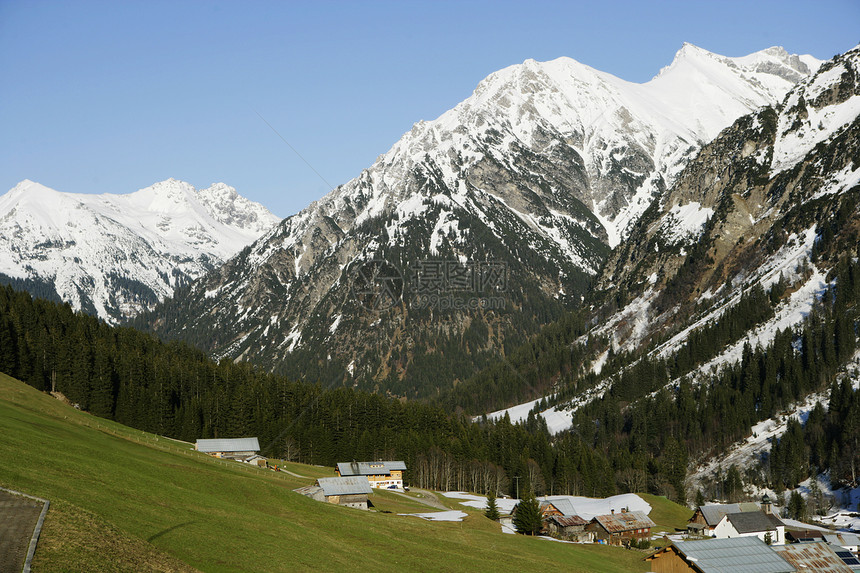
column 115, row 255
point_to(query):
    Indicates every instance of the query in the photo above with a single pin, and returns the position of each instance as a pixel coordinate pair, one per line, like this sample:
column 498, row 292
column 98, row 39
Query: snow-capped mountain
column 115, row 255
column 544, row 169
column 769, row 206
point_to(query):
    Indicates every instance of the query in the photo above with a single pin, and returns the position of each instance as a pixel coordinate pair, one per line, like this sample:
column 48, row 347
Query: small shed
column 718, row 555
column 621, row 528
column 232, row 448
column 569, row 528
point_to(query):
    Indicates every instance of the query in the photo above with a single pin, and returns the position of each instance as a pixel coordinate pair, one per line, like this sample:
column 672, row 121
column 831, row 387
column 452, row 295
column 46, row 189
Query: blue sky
column 113, row 96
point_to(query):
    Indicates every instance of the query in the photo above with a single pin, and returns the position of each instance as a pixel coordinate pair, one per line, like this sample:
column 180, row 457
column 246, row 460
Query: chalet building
column 766, row 527
column 548, row 509
column 230, row 448
column 848, row 541
column 385, row 475
column 708, row 516
column 713, row 555
column 569, row 528
column 347, row 491
column 621, row 528
column 556, row 506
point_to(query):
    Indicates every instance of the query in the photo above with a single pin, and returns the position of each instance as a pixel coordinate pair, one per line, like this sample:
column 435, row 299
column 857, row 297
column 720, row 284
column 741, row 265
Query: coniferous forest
column 639, row 436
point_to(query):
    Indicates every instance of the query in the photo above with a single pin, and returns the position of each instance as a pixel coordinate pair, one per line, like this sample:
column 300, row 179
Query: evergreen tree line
column 175, row 390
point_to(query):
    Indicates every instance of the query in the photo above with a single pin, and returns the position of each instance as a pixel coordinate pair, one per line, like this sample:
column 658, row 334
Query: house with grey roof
column 232, row 448
column 385, row 475
column 739, row 554
column 708, row 516
column 350, row 491
column 766, row 527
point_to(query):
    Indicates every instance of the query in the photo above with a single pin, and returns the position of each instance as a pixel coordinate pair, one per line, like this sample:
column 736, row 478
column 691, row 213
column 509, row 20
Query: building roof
column 352, row 485
column 229, row 445
column 625, row 521
column 563, row 504
column 747, row 554
column 567, row 520
column 714, row 512
column 842, row 539
column 818, row 557
column 751, row 522
column 369, row 468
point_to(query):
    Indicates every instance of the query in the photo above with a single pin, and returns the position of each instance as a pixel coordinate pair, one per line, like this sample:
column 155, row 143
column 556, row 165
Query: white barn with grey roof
column 382, row 474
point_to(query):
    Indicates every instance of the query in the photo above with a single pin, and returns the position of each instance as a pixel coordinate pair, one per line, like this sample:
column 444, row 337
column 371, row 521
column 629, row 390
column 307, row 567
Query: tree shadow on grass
column 168, row 530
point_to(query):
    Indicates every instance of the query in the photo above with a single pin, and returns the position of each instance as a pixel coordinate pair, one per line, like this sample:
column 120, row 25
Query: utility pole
column 518, row 486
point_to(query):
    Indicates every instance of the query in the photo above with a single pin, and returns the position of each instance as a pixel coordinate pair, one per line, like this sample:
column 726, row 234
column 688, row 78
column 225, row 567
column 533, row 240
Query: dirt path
column 18, row 517
column 428, row 498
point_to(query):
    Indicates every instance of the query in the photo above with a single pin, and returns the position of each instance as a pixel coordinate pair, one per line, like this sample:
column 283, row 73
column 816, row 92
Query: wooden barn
column 569, row 528
column 385, row 475
column 621, row 528
column 231, row 448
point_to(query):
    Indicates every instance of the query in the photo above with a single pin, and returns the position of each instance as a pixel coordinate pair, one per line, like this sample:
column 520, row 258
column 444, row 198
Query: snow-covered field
column 585, row 507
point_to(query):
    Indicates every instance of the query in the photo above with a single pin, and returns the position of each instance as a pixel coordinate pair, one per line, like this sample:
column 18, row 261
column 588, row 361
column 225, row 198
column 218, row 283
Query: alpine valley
column 536, row 177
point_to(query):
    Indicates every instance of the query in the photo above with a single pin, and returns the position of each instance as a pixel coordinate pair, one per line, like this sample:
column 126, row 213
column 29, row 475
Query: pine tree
column 492, row 511
column 527, row 517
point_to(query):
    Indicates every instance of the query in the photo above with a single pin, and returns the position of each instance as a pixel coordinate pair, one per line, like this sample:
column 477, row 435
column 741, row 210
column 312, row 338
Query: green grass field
column 123, row 500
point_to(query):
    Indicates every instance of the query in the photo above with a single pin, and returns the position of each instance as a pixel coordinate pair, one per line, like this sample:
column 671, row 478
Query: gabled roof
column 567, row 520
column 818, row 557
column 747, row 554
column 842, row 539
column 618, row 522
column 369, row 468
column 229, row 445
column 714, row 512
column 563, row 504
column 353, row 485
column 751, row 522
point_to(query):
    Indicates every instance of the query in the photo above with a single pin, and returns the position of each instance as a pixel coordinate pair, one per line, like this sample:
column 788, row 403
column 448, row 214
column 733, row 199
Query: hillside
column 474, row 229
column 124, row 500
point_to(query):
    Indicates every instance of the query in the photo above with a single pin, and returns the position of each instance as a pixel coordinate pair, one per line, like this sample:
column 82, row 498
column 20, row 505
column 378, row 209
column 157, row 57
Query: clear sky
column 110, row 97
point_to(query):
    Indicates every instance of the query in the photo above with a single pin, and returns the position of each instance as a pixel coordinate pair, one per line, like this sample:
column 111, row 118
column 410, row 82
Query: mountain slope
column 115, row 255
column 734, row 300
column 539, row 173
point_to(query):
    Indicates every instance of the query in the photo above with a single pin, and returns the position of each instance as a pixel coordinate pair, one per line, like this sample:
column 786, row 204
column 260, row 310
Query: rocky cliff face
column 539, row 173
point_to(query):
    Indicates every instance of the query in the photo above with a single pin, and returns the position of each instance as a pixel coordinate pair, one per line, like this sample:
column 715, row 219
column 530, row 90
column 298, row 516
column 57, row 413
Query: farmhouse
column 766, row 527
column 569, row 528
column 347, row 491
column 621, row 528
column 713, row 555
column 231, row 448
column 708, row 516
column 380, row 474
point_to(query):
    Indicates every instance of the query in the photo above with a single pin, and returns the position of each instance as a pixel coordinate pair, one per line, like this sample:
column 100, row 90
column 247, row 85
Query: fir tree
column 527, row 517
column 492, row 512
